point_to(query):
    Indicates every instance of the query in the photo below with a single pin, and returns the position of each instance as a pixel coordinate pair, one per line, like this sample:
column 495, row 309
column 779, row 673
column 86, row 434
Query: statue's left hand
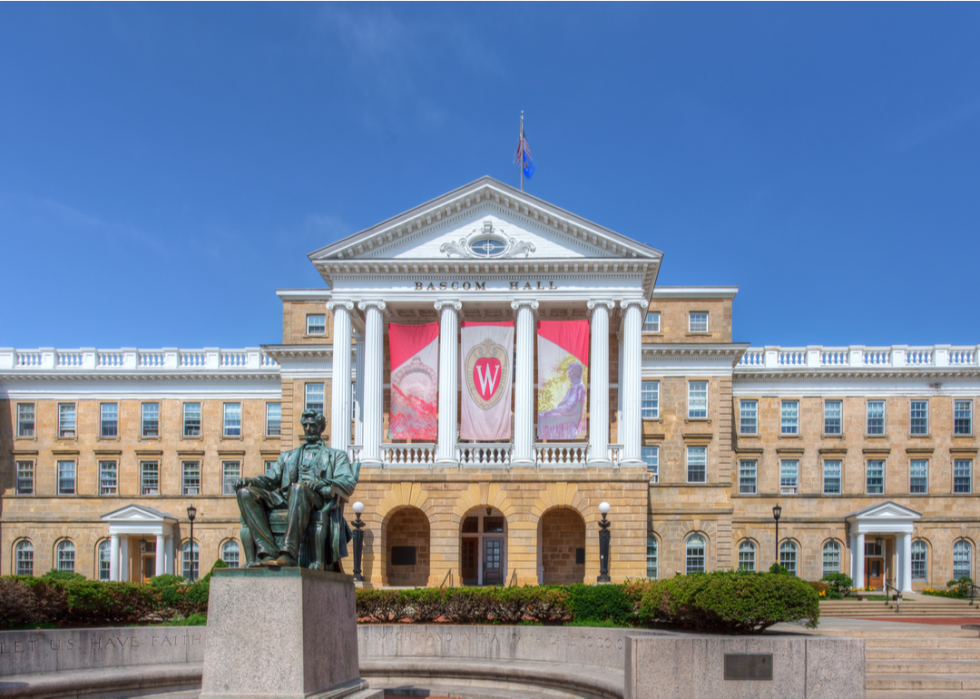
column 242, row 483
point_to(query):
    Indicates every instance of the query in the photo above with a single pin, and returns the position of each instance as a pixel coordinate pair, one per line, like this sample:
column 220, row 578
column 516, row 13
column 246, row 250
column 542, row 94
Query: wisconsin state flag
column 563, row 374
column 414, row 351
column 488, row 380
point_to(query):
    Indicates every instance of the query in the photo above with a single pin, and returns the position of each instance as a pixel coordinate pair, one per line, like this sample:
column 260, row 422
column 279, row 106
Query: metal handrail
column 898, row 598
column 449, row 577
column 973, row 593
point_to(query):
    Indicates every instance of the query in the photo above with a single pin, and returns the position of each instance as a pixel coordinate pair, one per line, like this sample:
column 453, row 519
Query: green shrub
column 777, row 569
column 63, row 575
column 600, row 603
column 819, row 587
column 959, row 588
column 838, row 585
column 192, row 620
column 730, row 602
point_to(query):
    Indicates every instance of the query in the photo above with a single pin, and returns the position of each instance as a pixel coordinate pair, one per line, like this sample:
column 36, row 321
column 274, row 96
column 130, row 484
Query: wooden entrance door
column 874, row 573
column 493, row 561
column 149, row 566
column 468, row 568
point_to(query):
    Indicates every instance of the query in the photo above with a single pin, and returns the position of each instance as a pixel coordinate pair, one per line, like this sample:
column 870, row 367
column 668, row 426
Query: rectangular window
column 651, row 455
column 963, row 417
column 314, row 397
column 698, row 322
column 650, row 400
column 790, row 417
column 833, row 411
column 151, row 419
column 108, row 478
column 652, row 557
column 876, row 417
column 748, row 417
column 149, row 478
column 192, row 419
column 233, row 420
column 25, row 419
column 876, row 477
column 66, row 478
column 747, row 471
column 191, row 477
column 963, row 476
column 231, row 471
column 25, row 477
column 789, row 477
column 919, row 476
column 273, row 419
column 651, row 324
column 697, row 464
column 109, row 420
column 66, row 419
column 316, row 324
column 919, row 422
column 697, row 399
column 831, row 477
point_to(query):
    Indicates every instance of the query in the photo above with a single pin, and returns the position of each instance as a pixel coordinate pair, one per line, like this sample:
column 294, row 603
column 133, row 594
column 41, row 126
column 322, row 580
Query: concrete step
column 922, row 667
column 919, row 653
column 928, row 631
column 920, row 694
column 923, row 682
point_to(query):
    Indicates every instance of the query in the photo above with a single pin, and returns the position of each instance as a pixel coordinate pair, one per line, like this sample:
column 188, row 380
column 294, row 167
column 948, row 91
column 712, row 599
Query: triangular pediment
column 886, row 511
column 485, row 220
column 137, row 513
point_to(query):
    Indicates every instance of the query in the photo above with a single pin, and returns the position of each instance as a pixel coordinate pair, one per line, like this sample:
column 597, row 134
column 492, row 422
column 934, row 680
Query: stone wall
column 562, row 532
column 408, row 527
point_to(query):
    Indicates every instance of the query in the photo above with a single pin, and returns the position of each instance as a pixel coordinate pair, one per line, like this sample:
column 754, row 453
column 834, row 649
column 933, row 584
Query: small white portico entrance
column 136, row 523
column 889, row 519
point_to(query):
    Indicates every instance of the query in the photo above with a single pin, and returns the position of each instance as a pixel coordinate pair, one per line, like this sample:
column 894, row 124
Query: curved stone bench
column 131, row 681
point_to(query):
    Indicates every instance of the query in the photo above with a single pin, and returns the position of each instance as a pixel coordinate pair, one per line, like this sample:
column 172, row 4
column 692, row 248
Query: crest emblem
column 486, row 369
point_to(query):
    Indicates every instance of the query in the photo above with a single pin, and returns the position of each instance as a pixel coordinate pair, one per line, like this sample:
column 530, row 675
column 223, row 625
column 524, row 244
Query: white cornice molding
column 657, row 351
column 695, row 292
column 817, row 375
column 304, row 294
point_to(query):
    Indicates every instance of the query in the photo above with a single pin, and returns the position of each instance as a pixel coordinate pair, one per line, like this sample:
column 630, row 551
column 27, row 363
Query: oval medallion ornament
column 487, row 368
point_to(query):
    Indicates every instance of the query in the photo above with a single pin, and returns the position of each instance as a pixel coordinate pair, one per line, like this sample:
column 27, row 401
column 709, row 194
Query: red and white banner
column 414, row 351
column 488, row 379
column 563, row 374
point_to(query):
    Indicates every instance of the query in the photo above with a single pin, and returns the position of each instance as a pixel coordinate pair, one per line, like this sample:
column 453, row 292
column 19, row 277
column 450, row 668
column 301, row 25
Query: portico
column 144, row 533
column 870, row 532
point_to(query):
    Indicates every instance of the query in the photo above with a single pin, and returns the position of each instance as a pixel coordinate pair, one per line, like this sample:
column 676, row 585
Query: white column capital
column 530, row 303
column 626, row 303
column 453, row 305
column 349, row 305
column 364, row 305
column 592, row 304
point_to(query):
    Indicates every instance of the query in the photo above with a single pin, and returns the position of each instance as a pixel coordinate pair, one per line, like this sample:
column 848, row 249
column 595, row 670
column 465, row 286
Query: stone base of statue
column 288, row 633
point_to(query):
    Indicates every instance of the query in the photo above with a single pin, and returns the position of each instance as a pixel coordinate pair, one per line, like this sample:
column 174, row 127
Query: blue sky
column 164, row 168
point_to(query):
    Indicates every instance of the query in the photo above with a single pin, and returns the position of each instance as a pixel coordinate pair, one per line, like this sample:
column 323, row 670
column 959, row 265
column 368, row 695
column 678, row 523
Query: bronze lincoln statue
column 309, row 484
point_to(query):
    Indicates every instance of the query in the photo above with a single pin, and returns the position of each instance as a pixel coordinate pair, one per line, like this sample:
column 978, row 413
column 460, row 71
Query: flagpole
column 520, row 161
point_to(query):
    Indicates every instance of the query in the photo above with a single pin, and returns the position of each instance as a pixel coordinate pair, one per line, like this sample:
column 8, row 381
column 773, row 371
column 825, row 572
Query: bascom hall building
column 500, row 367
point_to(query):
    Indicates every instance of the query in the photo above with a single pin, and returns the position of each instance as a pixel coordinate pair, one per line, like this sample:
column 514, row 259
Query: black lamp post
column 604, row 544
column 776, row 512
column 358, row 508
column 192, row 515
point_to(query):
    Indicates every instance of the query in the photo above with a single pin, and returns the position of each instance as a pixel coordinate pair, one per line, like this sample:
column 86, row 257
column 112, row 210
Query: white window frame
column 968, row 547
column 651, row 322
column 840, row 476
column 695, row 404
column 228, row 422
column 323, row 395
column 834, row 550
column 231, row 471
column 187, row 469
column 839, row 418
column 24, row 553
column 913, row 463
column 958, row 465
column 958, row 426
column 748, row 414
column 310, row 327
column 110, row 423
column 187, row 425
column 269, row 432
column 785, row 487
column 912, row 418
column 653, row 544
column 867, row 477
column 24, row 476
column 694, row 449
column 146, row 485
column 792, row 552
column 22, row 431
column 920, row 560
column 190, row 558
column 703, row 556
column 691, row 321
column 103, row 556
column 108, row 477
column 65, row 556
column 789, row 417
column 63, row 468
column 67, row 421
column 867, row 425
column 746, row 466
column 651, row 456
column 746, row 547
column 225, row 553
column 148, row 420
column 650, row 400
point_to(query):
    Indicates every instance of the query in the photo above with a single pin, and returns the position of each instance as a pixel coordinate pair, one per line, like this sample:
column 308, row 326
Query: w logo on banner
column 486, row 351
column 487, row 368
column 487, row 377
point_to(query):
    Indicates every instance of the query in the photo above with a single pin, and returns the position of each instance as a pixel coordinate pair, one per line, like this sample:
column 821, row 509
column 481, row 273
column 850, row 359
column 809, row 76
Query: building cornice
column 304, row 294
column 695, row 292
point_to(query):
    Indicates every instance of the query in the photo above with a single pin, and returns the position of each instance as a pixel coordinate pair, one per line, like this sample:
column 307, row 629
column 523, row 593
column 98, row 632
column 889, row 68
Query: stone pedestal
column 288, row 633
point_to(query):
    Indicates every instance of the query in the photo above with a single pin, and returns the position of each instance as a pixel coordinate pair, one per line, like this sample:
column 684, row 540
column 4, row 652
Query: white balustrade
column 834, row 356
column 490, row 454
column 962, row 357
column 268, row 361
column 151, row 359
column 897, row 357
column 110, row 359
column 753, row 357
column 407, row 455
column 29, row 359
column 234, row 359
column 615, row 453
column 69, row 359
column 792, row 357
column 877, row 357
column 919, row 356
column 561, row 454
column 354, row 452
column 193, row 358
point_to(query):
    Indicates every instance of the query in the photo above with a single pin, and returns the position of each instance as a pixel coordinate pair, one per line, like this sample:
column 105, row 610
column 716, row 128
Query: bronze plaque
column 748, row 666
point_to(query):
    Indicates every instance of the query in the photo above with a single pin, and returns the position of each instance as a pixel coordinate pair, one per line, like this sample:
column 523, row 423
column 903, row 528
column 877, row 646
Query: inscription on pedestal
column 748, row 666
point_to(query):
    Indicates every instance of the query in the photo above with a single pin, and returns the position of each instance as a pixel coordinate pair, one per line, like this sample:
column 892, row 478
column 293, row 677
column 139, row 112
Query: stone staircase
column 912, row 606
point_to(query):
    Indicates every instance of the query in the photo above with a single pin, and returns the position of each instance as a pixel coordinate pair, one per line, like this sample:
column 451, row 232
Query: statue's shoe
column 258, row 563
column 284, row 561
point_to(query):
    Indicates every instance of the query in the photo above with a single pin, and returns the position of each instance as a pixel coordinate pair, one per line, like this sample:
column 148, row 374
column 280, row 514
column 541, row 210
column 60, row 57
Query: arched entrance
column 406, row 536
column 483, row 547
column 561, row 537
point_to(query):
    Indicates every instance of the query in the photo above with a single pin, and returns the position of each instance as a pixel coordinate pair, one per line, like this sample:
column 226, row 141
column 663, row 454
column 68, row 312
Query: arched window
column 652, row 557
column 25, row 558
column 831, row 558
column 746, row 556
column 787, row 556
column 230, row 554
column 190, row 560
column 66, row 556
column 105, row 555
column 920, row 558
column 962, row 560
column 695, row 554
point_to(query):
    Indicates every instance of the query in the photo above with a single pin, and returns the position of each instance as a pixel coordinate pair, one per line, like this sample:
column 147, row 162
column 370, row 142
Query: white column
column 358, row 389
column 448, row 381
column 171, row 566
column 523, row 454
column 114, row 557
column 599, row 382
column 124, row 559
column 631, row 427
column 373, row 385
column 859, row 566
column 340, row 406
column 160, row 558
column 906, row 584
